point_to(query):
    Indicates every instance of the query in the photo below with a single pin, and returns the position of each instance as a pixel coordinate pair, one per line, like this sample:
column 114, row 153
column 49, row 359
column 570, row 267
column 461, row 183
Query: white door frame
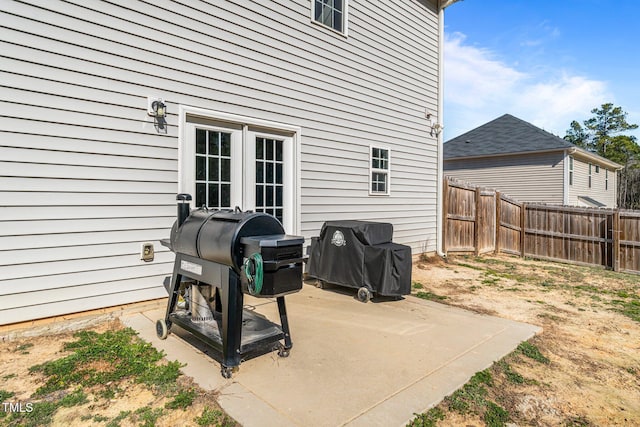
column 292, row 196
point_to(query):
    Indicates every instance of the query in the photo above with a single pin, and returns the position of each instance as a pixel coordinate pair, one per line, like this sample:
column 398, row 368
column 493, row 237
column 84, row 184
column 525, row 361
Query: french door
column 224, row 166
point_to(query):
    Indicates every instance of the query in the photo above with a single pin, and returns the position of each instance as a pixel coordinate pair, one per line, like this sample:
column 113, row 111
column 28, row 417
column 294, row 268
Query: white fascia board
column 595, row 158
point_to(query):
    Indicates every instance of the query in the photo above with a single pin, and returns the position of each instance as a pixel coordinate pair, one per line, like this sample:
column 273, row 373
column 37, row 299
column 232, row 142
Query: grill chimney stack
column 184, row 207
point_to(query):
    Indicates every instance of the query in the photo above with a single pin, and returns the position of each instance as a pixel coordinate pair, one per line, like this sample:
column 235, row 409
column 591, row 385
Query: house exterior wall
column 599, row 190
column 526, row 178
column 86, row 177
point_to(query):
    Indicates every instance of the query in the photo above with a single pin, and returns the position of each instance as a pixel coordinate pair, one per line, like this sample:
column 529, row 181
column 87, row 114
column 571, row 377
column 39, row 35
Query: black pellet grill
column 218, row 258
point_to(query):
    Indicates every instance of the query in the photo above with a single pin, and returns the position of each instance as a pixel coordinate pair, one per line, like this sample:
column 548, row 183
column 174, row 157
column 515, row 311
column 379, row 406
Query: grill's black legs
column 232, row 303
column 282, row 309
column 176, row 279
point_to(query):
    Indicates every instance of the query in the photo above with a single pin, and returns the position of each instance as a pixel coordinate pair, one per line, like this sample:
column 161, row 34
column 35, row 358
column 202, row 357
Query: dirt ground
column 591, row 336
column 122, row 408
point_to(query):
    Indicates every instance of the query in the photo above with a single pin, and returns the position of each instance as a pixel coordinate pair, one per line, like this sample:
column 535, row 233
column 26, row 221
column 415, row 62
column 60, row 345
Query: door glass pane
column 201, row 168
column 279, row 195
column 259, row 148
column 225, row 195
column 225, row 170
column 214, row 140
column 269, row 149
column 201, row 141
column 279, row 151
column 213, row 196
column 278, row 173
column 259, row 195
column 225, row 144
column 201, row 195
column 259, row 172
column 269, row 201
column 213, row 169
column 269, row 177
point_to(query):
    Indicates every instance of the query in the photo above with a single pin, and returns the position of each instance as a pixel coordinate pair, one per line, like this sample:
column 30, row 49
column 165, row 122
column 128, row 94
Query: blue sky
column 545, row 61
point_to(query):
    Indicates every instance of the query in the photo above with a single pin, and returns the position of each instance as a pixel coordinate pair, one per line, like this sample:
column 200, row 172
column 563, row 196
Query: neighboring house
column 531, row 165
column 308, row 110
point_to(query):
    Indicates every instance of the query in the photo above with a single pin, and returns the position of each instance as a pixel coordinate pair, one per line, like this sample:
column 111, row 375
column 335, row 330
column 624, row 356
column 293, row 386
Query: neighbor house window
column 332, row 13
column 570, row 170
column 379, row 170
column 590, row 175
column 597, row 169
column 606, row 179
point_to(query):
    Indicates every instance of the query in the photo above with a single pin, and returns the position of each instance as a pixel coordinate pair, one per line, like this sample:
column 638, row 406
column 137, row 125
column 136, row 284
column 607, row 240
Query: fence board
column 480, row 220
column 629, row 241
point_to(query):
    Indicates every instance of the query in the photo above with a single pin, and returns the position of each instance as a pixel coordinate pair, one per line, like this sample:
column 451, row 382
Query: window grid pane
column 213, row 169
column 269, row 177
column 329, row 13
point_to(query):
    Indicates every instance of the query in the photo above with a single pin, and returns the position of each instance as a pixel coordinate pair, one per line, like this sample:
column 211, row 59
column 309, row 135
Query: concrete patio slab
column 352, row 363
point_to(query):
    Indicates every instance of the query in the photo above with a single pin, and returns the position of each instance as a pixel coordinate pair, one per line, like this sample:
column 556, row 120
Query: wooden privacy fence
column 480, row 220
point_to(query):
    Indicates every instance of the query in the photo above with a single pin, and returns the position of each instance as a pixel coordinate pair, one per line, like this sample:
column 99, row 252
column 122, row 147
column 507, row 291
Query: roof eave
column 443, row 4
column 519, row 153
column 595, row 157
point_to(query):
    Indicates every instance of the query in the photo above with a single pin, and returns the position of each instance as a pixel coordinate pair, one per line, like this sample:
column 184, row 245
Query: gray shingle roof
column 505, row 135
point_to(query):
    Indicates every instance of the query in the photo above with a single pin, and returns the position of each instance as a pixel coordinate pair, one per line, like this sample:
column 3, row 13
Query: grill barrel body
column 216, row 235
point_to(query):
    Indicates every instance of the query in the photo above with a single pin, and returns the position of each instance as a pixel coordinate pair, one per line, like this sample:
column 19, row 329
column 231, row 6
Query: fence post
column 445, row 213
column 616, row 240
column 498, row 213
column 523, row 218
column 476, row 228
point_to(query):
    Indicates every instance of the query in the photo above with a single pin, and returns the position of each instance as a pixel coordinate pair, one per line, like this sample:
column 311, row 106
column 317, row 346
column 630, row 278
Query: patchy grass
column 213, row 417
column 428, row 295
column 4, row 395
column 481, row 395
column 631, row 309
column 472, row 267
column 95, row 374
column 24, row 348
column 428, row 419
column 182, row 400
column 105, row 358
column 531, row 351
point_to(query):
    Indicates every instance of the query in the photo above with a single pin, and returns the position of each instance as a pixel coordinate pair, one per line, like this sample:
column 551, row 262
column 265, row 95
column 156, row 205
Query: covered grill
column 361, row 255
column 220, row 256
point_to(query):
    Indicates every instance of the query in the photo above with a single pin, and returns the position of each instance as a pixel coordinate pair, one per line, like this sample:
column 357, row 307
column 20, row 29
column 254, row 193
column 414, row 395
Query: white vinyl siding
column 526, row 178
column 87, row 178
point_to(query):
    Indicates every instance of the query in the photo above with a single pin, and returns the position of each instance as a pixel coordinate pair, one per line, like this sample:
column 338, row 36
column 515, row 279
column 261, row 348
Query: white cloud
column 480, row 87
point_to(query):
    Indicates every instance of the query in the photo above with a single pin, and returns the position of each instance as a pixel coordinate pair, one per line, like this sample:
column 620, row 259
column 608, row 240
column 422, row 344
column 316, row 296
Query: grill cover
column 360, row 253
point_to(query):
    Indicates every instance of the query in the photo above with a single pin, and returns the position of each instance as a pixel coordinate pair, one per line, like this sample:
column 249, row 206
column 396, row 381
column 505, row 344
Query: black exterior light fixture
column 158, row 110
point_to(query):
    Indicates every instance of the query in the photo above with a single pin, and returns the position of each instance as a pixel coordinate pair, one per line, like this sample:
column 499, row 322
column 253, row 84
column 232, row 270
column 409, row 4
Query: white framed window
column 379, row 171
column 590, row 167
column 330, row 13
column 606, row 179
column 597, row 168
column 570, row 170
